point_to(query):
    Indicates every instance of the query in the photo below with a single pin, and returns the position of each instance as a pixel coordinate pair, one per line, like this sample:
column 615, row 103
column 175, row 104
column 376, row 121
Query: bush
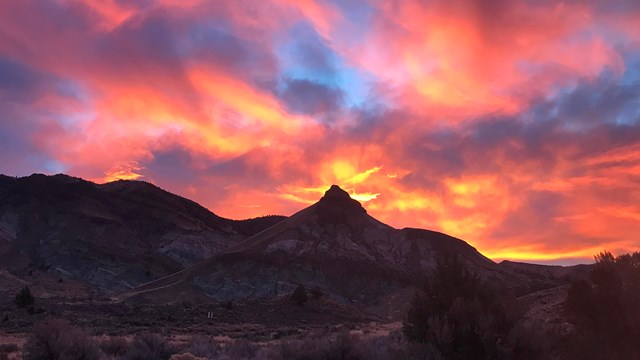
column 316, row 293
column 24, row 299
column 345, row 346
column 55, row 339
column 115, row 346
column 299, row 295
column 8, row 348
column 313, row 348
column 202, row 347
column 147, row 346
column 239, row 349
column 227, row 305
column 605, row 309
column 458, row 315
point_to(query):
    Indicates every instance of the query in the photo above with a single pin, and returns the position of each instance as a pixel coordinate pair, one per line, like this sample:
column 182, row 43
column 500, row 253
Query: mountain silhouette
column 136, row 242
column 335, row 246
column 111, row 236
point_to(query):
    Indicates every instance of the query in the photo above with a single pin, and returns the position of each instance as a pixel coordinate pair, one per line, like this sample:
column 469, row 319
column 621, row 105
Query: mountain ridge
column 134, row 241
column 333, row 245
column 133, row 230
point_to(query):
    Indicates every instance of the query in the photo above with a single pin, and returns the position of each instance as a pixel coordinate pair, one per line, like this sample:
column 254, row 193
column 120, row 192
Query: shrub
column 8, row 348
column 299, row 295
column 24, row 299
column 458, row 315
column 313, row 348
column 239, row 349
column 316, row 293
column 115, row 346
column 55, row 339
column 147, row 346
column 344, row 346
column 202, row 347
column 606, row 309
column 227, row 305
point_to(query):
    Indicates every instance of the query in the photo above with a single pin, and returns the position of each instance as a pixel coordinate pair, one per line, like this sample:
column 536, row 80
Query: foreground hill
column 337, row 248
column 110, row 236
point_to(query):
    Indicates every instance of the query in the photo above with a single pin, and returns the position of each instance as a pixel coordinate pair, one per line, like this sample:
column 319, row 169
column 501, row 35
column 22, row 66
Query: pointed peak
column 336, row 192
column 338, row 203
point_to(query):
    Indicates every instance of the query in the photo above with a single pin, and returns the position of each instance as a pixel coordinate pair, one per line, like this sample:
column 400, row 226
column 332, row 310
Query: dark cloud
column 20, row 83
column 307, row 97
column 535, row 215
column 172, row 165
column 604, row 100
column 20, row 87
column 221, row 48
column 310, row 51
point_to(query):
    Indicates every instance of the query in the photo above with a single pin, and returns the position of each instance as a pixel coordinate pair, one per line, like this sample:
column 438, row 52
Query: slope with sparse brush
column 111, row 236
column 333, row 245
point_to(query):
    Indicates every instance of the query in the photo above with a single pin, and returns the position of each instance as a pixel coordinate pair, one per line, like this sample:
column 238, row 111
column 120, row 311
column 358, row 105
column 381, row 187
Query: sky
column 512, row 124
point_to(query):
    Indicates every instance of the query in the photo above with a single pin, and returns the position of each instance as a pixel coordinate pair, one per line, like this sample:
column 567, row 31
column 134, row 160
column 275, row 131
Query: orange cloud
column 513, row 126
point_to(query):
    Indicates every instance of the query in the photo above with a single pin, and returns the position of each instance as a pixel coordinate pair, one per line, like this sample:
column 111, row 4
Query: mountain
column 335, row 246
column 111, row 236
column 134, row 241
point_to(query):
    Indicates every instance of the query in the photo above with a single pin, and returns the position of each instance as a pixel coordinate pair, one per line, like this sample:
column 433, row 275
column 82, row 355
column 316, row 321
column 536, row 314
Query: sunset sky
column 514, row 125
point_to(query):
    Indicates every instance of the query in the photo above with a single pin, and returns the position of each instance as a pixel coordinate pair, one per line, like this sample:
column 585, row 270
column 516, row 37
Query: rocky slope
column 136, row 242
column 333, row 245
column 110, row 236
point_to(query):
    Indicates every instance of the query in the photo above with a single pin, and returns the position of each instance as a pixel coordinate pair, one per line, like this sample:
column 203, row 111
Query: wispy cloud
column 511, row 124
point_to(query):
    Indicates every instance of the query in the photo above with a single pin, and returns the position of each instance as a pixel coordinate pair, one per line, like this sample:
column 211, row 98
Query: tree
column 316, row 293
column 605, row 309
column 55, row 339
column 458, row 315
column 299, row 295
column 24, row 299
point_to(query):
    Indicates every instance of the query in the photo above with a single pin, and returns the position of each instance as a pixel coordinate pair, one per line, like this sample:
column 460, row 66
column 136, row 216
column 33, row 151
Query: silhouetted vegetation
column 147, row 346
column 24, row 299
column 605, row 310
column 55, row 339
column 114, row 346
column 253, row 226
column 299, row 295
column 454, row 316
column 459, row 316
column 227, row 305
column 6, row 349
column 316, row 293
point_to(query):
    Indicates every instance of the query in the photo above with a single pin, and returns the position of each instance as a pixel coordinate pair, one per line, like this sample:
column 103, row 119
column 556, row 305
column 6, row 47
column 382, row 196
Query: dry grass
column 370, row 341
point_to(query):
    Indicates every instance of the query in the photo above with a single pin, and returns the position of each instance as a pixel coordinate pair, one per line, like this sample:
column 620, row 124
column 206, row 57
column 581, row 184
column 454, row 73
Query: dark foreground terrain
column 126, row 270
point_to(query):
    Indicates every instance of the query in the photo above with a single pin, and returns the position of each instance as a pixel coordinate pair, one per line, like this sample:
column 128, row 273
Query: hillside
column 110, row 236
column 336, row 247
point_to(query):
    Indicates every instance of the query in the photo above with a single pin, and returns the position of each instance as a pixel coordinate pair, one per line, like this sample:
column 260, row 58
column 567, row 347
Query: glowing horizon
column 513, row 125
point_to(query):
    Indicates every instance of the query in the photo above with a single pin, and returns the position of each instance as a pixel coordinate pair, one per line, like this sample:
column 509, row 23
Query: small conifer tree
column 24, row 299
column 299, row 296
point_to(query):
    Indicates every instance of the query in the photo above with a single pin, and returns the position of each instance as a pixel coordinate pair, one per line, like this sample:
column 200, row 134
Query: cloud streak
column 511, row 124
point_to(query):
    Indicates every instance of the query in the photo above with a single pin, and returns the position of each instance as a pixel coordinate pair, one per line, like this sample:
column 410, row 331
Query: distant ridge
column 112, row 236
